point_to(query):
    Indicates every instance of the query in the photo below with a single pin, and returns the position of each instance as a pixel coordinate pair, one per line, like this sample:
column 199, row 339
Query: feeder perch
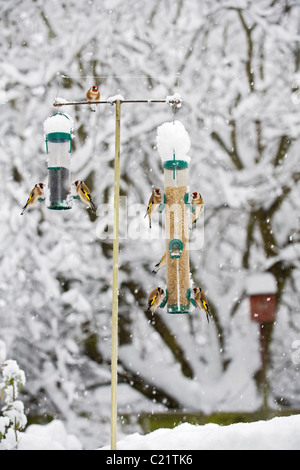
column 162, row 205
column 190, row 298
column 164, row 302
column 262, row 289
column 175, row 248
column 58, row 136
column 186, row 200
column 173, row 144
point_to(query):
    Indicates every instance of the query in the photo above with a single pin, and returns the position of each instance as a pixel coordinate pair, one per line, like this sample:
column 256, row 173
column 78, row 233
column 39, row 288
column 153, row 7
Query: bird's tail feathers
column 23, row 210
column 156, row 269
column 93, row 207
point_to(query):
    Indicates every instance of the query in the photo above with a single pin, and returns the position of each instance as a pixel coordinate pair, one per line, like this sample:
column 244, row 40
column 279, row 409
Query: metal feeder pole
column 115, row 287
column 114, row 346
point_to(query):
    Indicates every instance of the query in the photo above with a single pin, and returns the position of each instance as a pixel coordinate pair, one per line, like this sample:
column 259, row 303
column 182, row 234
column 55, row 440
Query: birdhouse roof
column 261, row 283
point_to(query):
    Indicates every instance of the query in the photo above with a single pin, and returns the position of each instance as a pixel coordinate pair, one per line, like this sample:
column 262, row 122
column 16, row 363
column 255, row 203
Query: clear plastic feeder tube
column 59, row 147
column 177, row 236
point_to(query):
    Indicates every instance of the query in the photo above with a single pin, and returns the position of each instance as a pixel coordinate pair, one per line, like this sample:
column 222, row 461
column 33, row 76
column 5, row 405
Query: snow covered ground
column 276, row 434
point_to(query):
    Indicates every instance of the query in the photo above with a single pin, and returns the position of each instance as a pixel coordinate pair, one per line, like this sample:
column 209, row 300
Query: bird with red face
column 155, row 299
column 153, row 204
column 201, row 301
column 84, row 195
column 36, row 193
column 197, row 205
column 93, row 94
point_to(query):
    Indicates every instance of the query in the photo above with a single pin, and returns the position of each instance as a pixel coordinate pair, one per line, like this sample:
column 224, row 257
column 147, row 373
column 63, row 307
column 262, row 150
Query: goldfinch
column 154, row 299
column 36, row 193
column 93, row 94
column 85, row 194
column 153, row 204
column 197, row 205
column 201, row 301
column 161, row 264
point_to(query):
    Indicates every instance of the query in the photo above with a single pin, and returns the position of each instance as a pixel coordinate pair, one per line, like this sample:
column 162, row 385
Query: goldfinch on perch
column 161, row 264
column 201, row 301
column 155, row 299
column 153, row 204
column 36, row 193
column 84, row 194
column 197, row 205
column 93, row 94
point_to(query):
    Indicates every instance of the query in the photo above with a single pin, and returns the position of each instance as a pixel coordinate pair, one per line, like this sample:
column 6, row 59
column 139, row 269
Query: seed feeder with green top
column 173, row 144
column 58, row 130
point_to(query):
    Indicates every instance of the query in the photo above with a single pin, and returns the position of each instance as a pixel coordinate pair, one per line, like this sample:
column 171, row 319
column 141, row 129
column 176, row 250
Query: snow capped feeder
column 262, row 289
column 173, row 144
column 58, row 136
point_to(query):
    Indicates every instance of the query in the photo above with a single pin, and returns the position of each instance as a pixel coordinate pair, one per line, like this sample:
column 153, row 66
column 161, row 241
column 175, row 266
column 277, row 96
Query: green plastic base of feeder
column 173, row 309
column 54, row 168
column 59, row 208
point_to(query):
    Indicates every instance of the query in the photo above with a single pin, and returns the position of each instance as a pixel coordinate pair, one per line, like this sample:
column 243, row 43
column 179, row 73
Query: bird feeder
column 173, row 143
column 262, row 289
column 58, row 136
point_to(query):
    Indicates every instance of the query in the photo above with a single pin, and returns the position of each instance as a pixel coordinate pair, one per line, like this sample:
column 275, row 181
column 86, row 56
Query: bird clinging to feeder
column 85, row 195
column 36, row 193
column 153, row 204
column 160, row 264
column 201, row 301
column 93, row 94
column 155, row 299
column 197, row 205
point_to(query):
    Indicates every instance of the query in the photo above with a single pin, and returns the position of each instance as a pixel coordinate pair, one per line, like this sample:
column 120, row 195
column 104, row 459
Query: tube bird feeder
column 58, row 136
column 173, row 144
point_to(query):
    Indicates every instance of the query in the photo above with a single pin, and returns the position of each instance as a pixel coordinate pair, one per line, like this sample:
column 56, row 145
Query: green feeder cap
column 175, row 164
column 58, row 128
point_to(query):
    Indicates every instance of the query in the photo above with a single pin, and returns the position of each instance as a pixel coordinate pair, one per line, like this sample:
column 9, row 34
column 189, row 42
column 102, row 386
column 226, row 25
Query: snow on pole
column 58, row 136
column 173, row 144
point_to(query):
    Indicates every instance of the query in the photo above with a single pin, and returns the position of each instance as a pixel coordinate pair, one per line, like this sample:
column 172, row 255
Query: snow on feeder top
column 58, row 136
column 261, row 289
column 173, row 144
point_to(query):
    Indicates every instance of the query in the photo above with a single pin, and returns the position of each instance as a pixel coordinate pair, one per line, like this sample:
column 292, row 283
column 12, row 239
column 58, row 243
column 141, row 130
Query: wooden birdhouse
column 262, row 289
column 58, row 136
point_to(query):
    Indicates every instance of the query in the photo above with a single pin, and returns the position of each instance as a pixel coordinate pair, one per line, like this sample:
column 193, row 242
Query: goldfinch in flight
column 93, row 94
column 85, row 194
column 201, row 301
column 161, row 264
column 36, row 193
column 197, row 205
column 154, row 299
column 153, row 204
